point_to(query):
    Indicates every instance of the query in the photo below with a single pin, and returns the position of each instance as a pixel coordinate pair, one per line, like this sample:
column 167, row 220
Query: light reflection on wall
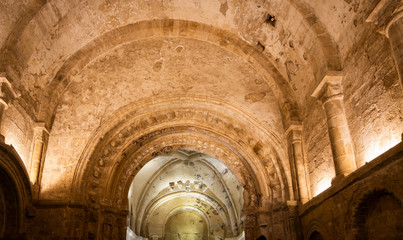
column 11, row 139
column 54, row 185
column 322, row 185
column 381, row 145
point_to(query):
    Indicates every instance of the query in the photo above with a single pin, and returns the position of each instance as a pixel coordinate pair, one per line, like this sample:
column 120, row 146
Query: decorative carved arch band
column 112, row 161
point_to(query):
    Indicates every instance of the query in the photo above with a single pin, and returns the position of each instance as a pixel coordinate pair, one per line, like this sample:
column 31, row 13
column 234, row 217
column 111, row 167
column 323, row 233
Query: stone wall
column 317, row 148
column 61, row 220
column 365, row 205
column 373, row 101
column 373, row 97
column 17, row 127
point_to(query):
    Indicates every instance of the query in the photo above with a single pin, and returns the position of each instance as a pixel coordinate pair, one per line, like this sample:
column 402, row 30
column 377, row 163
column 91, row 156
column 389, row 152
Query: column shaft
column 330, row 93
column 339, row 135
column 38, row 155
column 294, row 133
column 293, row 221
column 395, row 33
column 36, row 160
column 299, row 159
column 250, row 226
column 3, row 107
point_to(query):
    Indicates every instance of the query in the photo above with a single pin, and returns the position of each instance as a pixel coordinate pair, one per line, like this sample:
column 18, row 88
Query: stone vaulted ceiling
column 182, row 180
column 98, row 89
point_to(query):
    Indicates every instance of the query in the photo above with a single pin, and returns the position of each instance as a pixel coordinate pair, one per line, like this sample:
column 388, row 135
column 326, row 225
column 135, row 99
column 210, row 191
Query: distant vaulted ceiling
column 183, row 181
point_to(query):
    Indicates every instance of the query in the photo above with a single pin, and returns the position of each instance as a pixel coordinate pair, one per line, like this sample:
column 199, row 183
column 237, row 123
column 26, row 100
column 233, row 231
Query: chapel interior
column 201, row 119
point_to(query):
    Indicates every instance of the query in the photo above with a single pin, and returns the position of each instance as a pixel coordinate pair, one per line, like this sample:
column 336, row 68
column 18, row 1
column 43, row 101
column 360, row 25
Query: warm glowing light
column 322, row 185
column 380, row 146
column 52, row 183
column 11, row 139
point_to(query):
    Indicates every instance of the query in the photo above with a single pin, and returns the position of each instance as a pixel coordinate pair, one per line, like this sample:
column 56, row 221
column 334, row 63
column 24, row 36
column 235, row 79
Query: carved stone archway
column 16, row 194
column 122, row 151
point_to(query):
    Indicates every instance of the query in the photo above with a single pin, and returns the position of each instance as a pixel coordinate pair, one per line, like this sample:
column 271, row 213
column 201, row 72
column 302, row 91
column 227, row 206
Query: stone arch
column 34, row 13
column 108, row 146
column 316, row 236
column 121, row 147
column 192, row 210
column 168, row 28
column 200, row 196
column 315, row 231
column 230, row 214
column 377, row 208
column 329, row 45
column 15, row 191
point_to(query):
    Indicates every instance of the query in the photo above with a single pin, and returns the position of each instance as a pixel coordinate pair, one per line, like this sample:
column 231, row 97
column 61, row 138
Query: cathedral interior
column 201, row 119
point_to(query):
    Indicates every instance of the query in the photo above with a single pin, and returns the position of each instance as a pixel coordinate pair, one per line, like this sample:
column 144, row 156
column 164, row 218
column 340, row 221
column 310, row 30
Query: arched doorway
column 185, row 194
column 116, row 155
column 187, row 225
column 316, row 236
column 15, row 194
column 378, row 217
column 9, row 207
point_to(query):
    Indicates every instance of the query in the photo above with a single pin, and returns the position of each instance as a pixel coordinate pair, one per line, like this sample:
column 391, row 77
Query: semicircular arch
column 123, row 144
column 172, row 163
column 154, row 206
column 167, row 28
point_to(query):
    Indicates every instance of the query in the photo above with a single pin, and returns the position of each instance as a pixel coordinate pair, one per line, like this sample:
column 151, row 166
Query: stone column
column 263, row 222
column 395, row 33
column 297, row 162
column 41, row 135
column 3, row 107
column 250, row 225
column 388, row 15
column 293, row 221
column 330, row 93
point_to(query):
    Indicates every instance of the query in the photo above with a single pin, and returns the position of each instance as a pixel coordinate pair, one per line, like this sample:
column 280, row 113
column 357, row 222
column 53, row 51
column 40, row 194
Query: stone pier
column 330, row 93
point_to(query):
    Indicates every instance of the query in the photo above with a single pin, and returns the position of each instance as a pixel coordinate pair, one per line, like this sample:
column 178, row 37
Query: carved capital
column 330, row 87
column 290, row 114
column 295, row 131
column 40, row 130
column 7, row 93
column 292, row 208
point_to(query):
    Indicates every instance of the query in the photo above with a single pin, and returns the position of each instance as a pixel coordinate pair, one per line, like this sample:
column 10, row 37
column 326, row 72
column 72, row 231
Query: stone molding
column 116, row 145
column 330, row 87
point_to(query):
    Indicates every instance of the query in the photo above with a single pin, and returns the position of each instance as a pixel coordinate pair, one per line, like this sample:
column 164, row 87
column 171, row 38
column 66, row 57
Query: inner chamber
column 185, row 195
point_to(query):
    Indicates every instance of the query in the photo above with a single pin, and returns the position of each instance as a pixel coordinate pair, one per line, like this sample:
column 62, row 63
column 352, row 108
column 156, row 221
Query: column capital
column 292, row 208
column 295, row 132
column 385, row 14
column 290, row 114
column 330, row 87
column 7, row 92
column 41, row 127
column 40, row 131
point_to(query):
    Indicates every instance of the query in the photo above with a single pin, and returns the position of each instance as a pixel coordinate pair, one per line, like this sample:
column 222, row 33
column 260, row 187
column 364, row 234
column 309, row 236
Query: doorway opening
column 185, row 195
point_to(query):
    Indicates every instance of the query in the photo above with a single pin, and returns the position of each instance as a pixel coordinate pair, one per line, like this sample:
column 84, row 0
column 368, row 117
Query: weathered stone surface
column 116, row 84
